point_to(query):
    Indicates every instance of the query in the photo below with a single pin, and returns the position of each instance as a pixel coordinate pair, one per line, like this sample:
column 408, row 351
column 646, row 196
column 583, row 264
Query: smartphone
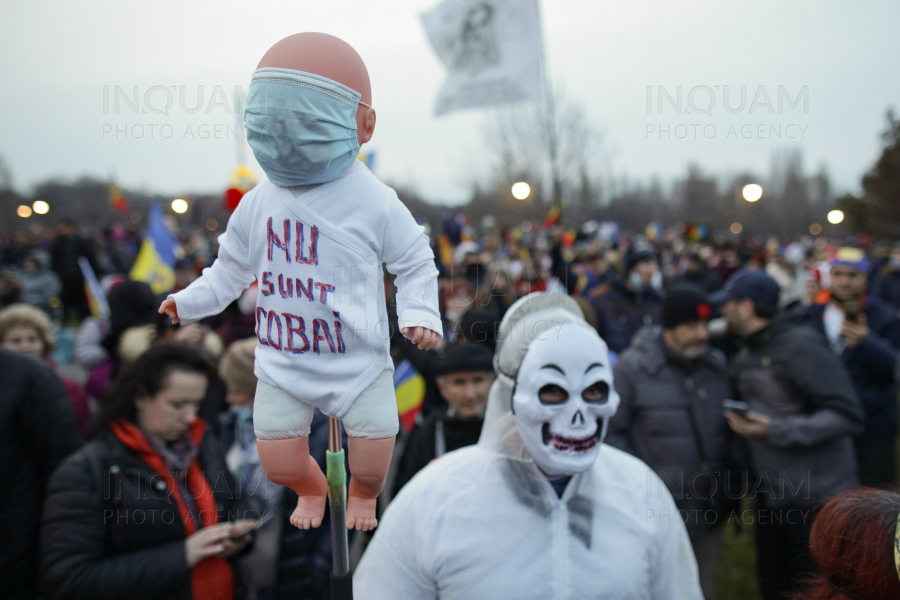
column 736, row 406
column 266, row 517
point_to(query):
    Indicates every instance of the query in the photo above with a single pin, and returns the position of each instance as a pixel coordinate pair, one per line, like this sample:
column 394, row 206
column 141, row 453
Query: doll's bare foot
column 287, row 462
column 309, row 512
column 369, row 461
column 361, row 513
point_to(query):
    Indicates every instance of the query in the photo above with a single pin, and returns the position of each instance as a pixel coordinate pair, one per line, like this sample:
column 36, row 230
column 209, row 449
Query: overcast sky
column 60, row 64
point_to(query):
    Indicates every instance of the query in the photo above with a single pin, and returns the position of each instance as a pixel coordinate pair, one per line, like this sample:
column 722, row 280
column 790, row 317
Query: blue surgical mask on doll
column 301, row 126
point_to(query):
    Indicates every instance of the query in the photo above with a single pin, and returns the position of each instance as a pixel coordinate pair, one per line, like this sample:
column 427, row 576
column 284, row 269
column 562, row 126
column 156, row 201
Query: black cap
column 465, row 357
column 756, row 285
column 684, row 304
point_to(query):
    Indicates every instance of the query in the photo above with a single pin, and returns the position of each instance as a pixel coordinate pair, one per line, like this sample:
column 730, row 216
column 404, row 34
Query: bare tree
column 6, row 182
column 552, row 146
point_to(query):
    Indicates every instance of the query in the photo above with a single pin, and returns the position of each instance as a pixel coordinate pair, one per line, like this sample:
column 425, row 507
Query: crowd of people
column 753, row 377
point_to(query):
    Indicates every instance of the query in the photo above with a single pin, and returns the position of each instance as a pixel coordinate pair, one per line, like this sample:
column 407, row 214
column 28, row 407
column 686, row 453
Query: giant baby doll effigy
column 540, row 507
column 315, row 237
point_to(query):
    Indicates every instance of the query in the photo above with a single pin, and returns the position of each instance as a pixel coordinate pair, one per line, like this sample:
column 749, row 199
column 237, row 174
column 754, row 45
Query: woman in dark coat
column 148, row 508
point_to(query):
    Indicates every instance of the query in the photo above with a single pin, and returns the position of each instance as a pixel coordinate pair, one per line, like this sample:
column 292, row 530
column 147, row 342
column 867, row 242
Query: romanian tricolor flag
column 553, row 216
column 117, row 198
column 409, row 387
column 155, row 262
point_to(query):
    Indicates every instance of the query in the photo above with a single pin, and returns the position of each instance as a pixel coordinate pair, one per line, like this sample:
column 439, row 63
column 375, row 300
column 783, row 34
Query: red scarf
column 211, row 578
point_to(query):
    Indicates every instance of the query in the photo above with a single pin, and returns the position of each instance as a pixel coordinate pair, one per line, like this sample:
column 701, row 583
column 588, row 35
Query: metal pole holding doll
column 316, row 237
column 336, row 474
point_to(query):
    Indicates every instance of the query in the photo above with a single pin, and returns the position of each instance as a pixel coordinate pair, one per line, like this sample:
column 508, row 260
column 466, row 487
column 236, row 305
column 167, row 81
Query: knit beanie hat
column 465, row 357
column 684, row 304
column 639, row 251
column 236, row 367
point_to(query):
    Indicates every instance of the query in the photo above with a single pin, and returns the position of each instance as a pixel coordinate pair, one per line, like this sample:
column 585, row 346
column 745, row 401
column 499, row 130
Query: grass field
column 736, row 576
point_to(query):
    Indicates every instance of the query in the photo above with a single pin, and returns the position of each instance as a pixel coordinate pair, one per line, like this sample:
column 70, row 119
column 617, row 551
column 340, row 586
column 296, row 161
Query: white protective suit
column 484, row 523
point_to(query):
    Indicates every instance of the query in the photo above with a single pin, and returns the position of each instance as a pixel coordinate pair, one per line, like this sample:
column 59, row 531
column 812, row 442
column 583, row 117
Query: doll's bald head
column 327, row 56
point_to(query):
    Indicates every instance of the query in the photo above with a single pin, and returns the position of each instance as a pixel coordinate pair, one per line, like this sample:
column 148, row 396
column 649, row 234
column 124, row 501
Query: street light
column 23, row 211
column 179, row 205
column 521, row 190
column 40, row 207
column 736, row 228
column 752, row 192
column 835, row 216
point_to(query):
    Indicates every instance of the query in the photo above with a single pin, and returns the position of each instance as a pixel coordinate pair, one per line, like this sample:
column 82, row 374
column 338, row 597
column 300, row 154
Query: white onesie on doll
column 321, row 317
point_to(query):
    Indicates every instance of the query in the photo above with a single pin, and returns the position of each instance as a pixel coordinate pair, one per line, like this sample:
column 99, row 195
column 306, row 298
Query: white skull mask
column 564, row 397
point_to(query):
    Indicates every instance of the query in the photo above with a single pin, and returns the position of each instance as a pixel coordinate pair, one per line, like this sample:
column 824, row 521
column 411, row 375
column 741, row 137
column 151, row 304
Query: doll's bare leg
column 287, row 462
column 369, row 462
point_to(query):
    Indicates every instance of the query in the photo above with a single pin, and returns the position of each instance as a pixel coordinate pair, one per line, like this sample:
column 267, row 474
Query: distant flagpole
column 550, row 124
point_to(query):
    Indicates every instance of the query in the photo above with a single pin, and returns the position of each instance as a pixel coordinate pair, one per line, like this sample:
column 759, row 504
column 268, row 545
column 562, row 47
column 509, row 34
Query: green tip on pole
column 334, row 469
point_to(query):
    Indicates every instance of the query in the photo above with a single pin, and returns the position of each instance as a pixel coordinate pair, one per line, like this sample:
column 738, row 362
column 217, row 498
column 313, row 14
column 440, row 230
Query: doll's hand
column 423, row 337
column 168, row 307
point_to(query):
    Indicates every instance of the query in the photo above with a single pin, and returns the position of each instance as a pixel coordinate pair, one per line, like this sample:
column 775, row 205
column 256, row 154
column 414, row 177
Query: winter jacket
column 37, row 431
column 112, row 529
column 621, row 312
column 671, row 417
column 432, row 438
column 790, row 375
column 39, row 287
column 887, row 289
column 871, row 367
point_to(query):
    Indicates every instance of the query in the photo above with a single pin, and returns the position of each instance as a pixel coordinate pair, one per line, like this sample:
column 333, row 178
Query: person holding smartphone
column 147, row 508
column 865, row 334
column 803, row 414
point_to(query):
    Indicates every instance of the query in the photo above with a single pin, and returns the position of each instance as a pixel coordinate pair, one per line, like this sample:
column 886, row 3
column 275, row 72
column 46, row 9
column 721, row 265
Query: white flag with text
column 492, row 50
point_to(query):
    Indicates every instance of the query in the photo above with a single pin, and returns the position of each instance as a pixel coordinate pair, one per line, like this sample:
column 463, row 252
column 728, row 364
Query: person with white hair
column 540, row 507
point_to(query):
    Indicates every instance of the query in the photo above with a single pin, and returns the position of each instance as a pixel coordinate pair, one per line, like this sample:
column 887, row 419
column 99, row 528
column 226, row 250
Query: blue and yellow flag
column 155, row 263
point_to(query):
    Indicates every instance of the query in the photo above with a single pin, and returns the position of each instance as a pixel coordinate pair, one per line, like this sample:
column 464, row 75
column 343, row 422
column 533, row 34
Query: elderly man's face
column 466, row 392
column 688, row 341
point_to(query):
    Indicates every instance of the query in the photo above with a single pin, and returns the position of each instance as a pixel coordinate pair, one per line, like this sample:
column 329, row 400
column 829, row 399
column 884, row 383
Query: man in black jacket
column 463, row 374
column 37, row 431
column 671, row 385
column 803, row 414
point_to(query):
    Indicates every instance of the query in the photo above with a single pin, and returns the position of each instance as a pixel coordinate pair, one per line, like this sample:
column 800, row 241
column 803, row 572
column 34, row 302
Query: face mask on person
column 636, row 280
column 243, row 412
column 564, row 398
column 301, row 126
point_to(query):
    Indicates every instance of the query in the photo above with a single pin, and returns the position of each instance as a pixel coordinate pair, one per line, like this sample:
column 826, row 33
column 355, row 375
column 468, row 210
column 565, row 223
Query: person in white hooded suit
column 540, row 508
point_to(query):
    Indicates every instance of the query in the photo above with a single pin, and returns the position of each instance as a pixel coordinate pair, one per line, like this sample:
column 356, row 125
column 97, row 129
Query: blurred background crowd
column 673, row 305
